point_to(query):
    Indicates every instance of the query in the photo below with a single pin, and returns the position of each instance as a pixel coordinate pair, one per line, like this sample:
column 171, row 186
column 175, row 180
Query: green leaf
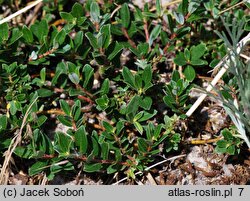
column 145, row 103
column 128, row 77
column 108, row 127
column 16, row 34
column 95, row 12
column 231, row 149
column 102, row 102
column 3, row 122
column 179, row 18
column 81, row 140
column 65, row 107
column 74, row 78
column 198, row 62
column 88, row 75
column 118, row 48
column 40, row 30
column 133, row 105
column 92, row 40
column 65, row 120
column 92, row 167
column 147, row 115
column 78, row 40
column 27, row 34
column 182, row 32
column 189, row 73
column 193, row 5
column 197, row 51
column 106, row 35
column 142, row 145
column 180, row 59
column 147, row 77
column 105, row 87
column 38, row 167
column 67, row 16
column 158, row 7
column 170, row 23
column 59, row 38
column 175, row 75
column 4, row 31
column 41, row 120
column 77, row 10
column 138, row 127
column 125, row 15
column 24, row 152
column 154, row 34
column 63, row 143
column 44, row 92
column 105, row 150
column 187, row 54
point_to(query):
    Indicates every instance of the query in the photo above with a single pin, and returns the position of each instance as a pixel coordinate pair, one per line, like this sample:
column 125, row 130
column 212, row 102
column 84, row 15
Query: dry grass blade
column 14, row 142
column 20, row 11
column 152, row 166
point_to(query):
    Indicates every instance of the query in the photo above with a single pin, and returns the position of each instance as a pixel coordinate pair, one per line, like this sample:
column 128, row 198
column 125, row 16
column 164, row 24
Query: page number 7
column 241, row 190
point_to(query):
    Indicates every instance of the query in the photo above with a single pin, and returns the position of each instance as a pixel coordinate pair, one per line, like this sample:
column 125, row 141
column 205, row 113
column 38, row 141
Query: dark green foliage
column 98, row 75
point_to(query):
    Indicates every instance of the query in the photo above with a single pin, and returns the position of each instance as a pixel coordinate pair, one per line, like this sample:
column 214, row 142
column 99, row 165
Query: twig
column 125, row 32
column 152, row 166
column 225, row 61
column 231, row 7
column 20, row 11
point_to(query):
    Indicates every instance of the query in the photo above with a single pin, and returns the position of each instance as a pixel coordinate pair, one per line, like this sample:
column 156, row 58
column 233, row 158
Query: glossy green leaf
column 128, row 77
column 81, row 140
column 3, row 122
column 189, row 73
column 78, row 40
column 95, row 12
column 38, row 167
column 92, row 167
column 105, row 87
column 88, row 76
column 145, row 103
column 65, row 107
column 67, row 16
column 138, row 127
column 59, row 38
column 74, row 78
column 44, row 92
column 41, row 120
column 40, row 30
column 158, row 7
column 92, row 40
column 198, row 62
column 125, row 15
column 27, row 34
column 16, row 34
column 103, row 102
column 147, row 115
column 142, row 145
column 117, row 49
column 180, row 59
column 105, row 150
column 63, row 143
column 197, row 51
column 4, row 31
column 77, row 10
column 67, row 121
column 154, row 34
